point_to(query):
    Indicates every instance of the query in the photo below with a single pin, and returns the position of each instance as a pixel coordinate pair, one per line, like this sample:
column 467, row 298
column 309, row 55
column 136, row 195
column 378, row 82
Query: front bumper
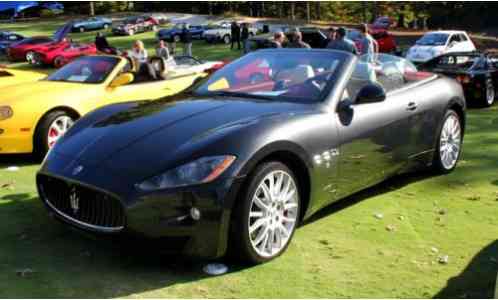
column 158, row 217
column 13, row 140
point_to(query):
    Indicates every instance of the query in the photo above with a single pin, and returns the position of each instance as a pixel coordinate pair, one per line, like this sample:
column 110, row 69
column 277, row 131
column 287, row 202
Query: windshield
column 89, row 69
column 279, row 75
column 433, row 39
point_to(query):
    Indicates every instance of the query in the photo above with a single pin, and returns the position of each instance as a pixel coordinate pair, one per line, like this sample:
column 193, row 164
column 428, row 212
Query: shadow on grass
column 66, row 264
column 478, row 279
column 7, row 160
column 387, row 186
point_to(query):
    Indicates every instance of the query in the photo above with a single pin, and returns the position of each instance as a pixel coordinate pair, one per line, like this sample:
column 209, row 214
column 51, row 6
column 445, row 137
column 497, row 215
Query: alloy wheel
column 58, row 128
column 226, row 39
column 490, row 92
column 273, row 213
column 450, row 142
column 30, row 56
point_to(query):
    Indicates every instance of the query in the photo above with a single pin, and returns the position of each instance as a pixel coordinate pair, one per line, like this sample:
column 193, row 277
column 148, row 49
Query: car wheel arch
column 291, row 155
column 69, row 110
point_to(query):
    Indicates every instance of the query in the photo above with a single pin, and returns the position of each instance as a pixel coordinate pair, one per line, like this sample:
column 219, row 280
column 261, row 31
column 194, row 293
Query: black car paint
column 477, row 73
column 335, row 152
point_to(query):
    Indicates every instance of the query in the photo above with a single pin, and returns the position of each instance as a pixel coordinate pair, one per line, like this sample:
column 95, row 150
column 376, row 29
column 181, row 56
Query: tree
column 92, row 8
column 308, row 12
column 292, row 10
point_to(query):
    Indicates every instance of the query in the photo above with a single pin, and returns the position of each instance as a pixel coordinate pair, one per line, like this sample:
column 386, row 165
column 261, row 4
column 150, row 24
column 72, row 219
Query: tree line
column 458, row 15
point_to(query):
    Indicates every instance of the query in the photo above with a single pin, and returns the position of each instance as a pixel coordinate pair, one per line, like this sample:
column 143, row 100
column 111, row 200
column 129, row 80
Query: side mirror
column 371, row 93
column 122, row 79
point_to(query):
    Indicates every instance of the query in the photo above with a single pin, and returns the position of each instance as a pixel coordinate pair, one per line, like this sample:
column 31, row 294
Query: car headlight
column 202, row 170
column 436, row 52
column 5, row 112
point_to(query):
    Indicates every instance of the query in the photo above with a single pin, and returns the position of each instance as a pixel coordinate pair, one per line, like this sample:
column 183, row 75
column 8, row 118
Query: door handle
column 411, row 106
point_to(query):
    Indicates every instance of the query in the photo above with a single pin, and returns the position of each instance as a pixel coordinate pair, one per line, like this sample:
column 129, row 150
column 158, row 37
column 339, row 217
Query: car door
column 455, row 44
column 375, row 138
column 467, row 43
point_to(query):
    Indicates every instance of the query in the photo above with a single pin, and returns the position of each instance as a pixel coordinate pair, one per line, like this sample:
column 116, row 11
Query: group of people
column 140, row 56
column 240, row 33
column 336, row 40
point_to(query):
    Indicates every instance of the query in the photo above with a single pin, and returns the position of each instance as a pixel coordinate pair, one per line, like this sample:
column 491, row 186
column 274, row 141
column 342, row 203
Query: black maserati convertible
column 237, row 163
column 476, row 71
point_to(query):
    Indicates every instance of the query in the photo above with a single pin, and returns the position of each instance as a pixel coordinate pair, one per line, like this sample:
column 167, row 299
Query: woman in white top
column 139, row 53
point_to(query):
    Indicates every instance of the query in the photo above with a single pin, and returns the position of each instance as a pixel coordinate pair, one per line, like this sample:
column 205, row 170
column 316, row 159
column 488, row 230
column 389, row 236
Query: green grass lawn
column 344, row 251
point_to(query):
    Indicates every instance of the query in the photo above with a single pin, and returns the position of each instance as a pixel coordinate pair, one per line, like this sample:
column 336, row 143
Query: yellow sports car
column 34, row 115
column 12, row 76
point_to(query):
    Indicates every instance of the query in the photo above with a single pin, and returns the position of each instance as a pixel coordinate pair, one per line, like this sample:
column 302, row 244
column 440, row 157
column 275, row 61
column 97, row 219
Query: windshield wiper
column 241, row 95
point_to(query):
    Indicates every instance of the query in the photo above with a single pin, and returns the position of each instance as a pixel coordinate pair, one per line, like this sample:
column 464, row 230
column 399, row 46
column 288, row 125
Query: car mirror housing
column 122, row 79
column 371, row 93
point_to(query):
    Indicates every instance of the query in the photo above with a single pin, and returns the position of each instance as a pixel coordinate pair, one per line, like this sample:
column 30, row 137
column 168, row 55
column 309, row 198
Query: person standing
column 342, row 43
column 330, row 37
column 367, row 43
column 245, row 37
column 296, row 41
column 187, row 40
column 235, row 34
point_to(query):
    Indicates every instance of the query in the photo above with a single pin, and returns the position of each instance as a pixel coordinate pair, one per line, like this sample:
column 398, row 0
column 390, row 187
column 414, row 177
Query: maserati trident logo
column 74, row 201
column 77, row 170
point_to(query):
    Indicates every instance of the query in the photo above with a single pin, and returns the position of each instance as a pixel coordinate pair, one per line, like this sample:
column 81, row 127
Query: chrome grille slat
column 96, row 210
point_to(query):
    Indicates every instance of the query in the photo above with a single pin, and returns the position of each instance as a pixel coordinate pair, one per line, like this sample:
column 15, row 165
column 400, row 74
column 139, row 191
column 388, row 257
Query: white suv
column 437, row 43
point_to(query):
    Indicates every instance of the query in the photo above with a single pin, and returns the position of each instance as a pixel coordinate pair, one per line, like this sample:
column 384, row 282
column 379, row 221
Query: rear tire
column 266, row 214
column 489, row 94
column 29, row 56
column 51, row 127
column 449, row 143
column 59, row 61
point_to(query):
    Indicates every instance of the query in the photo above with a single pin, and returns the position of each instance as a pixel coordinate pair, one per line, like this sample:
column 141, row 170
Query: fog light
column 195, row 214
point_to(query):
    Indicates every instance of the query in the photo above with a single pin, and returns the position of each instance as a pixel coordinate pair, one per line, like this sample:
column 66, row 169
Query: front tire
column 449, row 144
column 52, row 127
column 82, row 29
column 227, row 39
column 267, row 215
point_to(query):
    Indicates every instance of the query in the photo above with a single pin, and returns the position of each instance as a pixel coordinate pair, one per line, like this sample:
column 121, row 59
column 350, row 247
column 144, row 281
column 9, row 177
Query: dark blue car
column 94, row 23
column 174, row 34
column 8, row 38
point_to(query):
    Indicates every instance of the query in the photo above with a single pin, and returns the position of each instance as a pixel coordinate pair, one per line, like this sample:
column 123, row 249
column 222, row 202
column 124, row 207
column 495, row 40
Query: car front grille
column 86, row 207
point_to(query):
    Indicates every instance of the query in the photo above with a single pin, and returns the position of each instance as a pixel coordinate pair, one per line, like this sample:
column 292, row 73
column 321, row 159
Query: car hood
column 145, row 138
column 62, row 32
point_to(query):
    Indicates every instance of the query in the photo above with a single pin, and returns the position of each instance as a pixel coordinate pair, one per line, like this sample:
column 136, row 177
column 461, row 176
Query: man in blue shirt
column 342, row 43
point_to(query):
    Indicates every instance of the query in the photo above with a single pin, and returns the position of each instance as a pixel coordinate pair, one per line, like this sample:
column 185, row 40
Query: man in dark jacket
column 102, row 45
column 296, row 41
column 187, row 40
column 235, row 34
column 245, row 37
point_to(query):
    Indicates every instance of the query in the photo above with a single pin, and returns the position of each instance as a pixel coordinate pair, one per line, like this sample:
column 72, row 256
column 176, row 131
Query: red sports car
column 25, row 49
column 59, row 56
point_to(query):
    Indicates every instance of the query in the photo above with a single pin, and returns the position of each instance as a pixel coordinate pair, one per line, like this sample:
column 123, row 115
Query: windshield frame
column 106, row 78
column 344, row 60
